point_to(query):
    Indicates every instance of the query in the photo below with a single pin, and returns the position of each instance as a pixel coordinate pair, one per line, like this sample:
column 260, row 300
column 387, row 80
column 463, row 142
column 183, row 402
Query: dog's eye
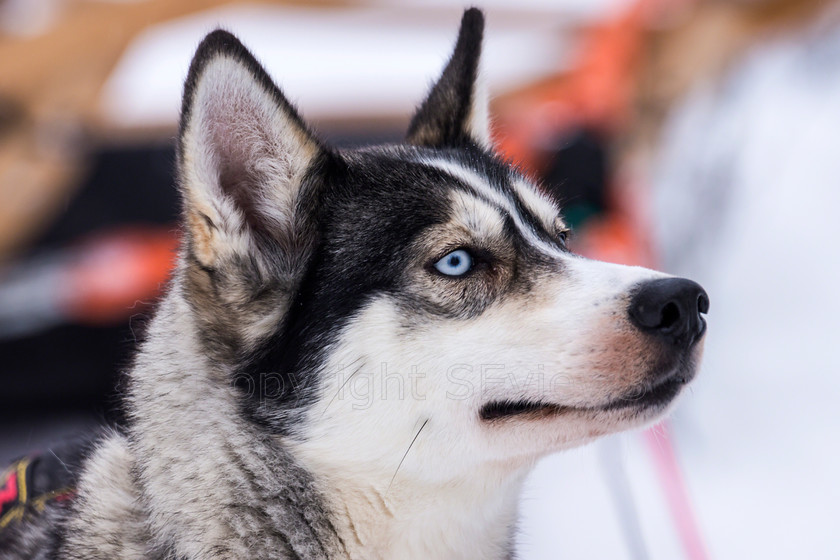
column 562, row 231
column 563, row 236
column 456, row 263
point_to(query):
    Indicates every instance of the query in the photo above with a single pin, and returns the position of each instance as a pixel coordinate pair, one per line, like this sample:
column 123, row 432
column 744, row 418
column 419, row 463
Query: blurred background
column 701, row 137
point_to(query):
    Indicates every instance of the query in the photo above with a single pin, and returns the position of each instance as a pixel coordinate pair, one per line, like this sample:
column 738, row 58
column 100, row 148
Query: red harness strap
column 21, row 496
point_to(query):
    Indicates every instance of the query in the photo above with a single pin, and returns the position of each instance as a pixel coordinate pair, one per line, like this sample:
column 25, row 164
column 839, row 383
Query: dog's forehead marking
column 537, row 203
column 482, row 219
column 497, row 198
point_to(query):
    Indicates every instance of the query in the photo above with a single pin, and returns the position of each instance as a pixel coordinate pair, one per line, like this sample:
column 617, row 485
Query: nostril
column 669, row 316
column 703, row 303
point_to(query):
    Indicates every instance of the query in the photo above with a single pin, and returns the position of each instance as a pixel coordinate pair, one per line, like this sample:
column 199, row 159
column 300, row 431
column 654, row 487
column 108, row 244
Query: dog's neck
column 215, row 484
column 473, row 517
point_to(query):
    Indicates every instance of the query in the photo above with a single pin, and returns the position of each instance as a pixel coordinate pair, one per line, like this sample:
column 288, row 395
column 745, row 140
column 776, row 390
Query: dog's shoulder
column 108, row 518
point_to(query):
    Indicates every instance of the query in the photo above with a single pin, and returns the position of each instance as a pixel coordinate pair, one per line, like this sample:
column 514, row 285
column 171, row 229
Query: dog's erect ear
column 456, row 109
column 244, row 155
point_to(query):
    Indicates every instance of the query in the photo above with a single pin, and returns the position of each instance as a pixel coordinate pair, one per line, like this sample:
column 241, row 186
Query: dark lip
column 657, row 396
column 654, row 397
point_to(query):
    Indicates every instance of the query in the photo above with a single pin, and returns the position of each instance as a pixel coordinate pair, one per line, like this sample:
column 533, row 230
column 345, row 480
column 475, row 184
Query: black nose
column 670, row 308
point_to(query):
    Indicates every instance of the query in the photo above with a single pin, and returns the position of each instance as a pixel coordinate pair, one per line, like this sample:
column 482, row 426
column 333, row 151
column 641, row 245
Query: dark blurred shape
column 75, row 366
column 71, row 367
column 11, row 115
column 126, row 186
column 577, row 174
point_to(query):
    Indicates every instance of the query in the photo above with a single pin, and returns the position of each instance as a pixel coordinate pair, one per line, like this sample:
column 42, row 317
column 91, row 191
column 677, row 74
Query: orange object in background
column 115, row 271
column 99, row 281
column 596, row 95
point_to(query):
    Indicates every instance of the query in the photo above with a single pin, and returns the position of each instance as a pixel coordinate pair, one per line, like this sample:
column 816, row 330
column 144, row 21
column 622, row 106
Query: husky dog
column 361, row 353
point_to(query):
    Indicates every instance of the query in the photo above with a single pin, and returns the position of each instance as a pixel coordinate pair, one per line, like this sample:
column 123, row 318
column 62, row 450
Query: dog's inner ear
column 244, row 153
column 456, row 110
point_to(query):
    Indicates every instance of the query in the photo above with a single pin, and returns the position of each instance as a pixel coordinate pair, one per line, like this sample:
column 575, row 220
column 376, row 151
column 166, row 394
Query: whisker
column 406, row 453
column 346, row 381
column 63, row 464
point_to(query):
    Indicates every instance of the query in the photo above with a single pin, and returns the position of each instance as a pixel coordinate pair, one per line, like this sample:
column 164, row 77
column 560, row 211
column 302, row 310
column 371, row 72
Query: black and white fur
column 312, row 386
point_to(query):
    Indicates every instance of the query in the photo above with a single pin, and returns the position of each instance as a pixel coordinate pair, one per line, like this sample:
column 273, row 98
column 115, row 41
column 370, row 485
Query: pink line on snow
column 661, row 449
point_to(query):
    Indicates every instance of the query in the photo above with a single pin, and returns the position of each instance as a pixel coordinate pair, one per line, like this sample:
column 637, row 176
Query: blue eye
column 456, row 263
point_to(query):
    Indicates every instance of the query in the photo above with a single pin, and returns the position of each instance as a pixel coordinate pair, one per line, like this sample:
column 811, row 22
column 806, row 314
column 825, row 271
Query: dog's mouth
column 656, row 397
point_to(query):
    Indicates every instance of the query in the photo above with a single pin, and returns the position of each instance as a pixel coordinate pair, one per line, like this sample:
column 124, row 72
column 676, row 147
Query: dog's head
column 422, row 294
